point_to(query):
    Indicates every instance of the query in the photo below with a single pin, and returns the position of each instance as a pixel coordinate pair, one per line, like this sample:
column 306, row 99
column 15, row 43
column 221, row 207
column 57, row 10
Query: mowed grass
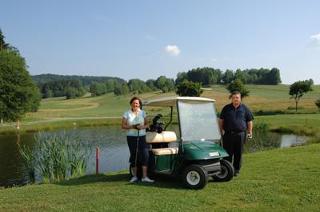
column 275, row 180
column 108, row 109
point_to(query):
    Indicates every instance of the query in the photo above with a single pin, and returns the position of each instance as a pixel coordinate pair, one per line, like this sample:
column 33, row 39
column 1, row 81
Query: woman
column 135, row 122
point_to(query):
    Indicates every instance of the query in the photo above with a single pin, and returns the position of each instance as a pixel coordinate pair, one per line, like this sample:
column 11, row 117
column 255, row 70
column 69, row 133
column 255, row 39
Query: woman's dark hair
column 136, row 98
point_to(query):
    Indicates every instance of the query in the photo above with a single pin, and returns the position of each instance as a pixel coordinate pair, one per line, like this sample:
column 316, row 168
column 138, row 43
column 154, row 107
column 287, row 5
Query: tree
column 59, row 88
column 110, row 84
column 187, row 88
column 240, row 75
column 70, row 93
column 151, row 83
column 237, row 85
column 273, row 77
column 121, row 89
column 18, row 93
column 227, row 77
column 181, row 76
column 298, row 89
column 165, row 84
column 3, row 44
column 137, row 86
column 97, row 89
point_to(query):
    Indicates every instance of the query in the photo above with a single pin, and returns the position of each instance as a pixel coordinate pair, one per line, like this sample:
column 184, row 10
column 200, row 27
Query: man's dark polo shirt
column 235, row 119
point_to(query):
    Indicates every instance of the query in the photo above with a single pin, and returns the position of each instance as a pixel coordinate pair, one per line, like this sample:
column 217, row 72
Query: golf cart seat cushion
column 163, row 137
column 165, row 151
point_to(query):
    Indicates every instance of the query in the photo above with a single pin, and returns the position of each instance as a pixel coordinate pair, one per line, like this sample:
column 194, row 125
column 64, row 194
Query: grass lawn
column 275, row 180
column 107, row 109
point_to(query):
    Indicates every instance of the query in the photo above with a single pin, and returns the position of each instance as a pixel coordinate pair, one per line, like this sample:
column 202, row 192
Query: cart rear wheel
column 195, row 177
column 226, row 173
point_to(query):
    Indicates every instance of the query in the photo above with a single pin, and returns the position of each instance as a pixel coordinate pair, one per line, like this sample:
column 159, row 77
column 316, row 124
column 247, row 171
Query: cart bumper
column 212, row 168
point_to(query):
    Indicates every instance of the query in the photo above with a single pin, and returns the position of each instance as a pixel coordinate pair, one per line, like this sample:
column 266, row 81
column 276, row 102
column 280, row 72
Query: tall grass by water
column 55, row 157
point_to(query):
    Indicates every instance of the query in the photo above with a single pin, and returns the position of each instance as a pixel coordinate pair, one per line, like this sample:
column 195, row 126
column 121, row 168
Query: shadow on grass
column 122, row 177
column 160, row 181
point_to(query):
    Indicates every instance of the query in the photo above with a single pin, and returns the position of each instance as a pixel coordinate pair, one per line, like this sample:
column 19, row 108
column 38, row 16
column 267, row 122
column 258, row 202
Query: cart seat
column 165, row 151
column 163, row 137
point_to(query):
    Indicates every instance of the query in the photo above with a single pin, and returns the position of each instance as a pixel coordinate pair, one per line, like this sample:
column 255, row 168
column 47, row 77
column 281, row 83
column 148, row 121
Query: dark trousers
column 138, row 143
column 233, row 143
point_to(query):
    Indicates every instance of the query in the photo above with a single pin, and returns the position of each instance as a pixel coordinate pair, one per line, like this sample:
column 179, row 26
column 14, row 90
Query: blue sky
column 146, row 39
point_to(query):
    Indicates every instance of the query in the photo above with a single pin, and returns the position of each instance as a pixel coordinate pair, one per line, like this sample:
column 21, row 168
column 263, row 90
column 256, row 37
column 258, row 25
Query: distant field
column 268, row 98
column 100, row 110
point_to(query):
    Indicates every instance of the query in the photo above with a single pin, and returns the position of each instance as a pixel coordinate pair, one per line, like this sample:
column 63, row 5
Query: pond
column 114, row 151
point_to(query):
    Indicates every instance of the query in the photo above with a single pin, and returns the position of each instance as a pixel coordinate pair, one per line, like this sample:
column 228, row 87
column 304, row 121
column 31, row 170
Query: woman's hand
column 140, row 127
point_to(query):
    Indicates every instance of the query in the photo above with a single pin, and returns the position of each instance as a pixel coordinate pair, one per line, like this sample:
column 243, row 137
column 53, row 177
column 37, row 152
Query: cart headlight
column 213, row 154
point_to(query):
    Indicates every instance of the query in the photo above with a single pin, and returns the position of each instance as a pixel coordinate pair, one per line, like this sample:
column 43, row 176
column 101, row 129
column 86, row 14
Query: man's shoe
column 133, row 179
column 236, row 173
column 147, row 180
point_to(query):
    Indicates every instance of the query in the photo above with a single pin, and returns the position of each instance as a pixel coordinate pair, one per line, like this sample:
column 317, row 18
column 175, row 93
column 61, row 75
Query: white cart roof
column 172, row 101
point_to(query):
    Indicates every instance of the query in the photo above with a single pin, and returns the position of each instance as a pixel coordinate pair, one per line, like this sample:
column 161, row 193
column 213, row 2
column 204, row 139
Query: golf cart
column 195, row 154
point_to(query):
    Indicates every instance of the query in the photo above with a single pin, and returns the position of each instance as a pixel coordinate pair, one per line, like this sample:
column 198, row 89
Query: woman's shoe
column 133, row 179
column 147, row 180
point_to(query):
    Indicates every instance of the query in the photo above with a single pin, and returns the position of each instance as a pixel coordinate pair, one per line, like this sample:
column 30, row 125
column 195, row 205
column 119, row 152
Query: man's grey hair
column 234, row 93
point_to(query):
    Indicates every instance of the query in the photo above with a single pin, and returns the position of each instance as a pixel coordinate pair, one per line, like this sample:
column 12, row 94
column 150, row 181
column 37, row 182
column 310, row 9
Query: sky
column 146, row 39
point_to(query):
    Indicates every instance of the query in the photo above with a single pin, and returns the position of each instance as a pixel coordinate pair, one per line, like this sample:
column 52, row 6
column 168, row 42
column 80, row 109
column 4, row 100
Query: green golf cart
column 195, row 154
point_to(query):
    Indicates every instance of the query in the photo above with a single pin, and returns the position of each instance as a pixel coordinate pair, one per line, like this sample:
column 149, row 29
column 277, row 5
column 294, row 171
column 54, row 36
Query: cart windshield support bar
column 171, row 112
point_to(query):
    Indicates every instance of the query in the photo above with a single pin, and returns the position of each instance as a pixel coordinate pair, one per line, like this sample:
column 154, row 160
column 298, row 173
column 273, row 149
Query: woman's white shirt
column 133, row 119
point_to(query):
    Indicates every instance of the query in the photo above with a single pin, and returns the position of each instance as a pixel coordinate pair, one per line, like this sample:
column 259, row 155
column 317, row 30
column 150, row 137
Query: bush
column 187, row 88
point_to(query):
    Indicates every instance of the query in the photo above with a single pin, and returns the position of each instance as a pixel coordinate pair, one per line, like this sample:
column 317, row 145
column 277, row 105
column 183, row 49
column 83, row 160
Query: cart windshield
column 198, row 121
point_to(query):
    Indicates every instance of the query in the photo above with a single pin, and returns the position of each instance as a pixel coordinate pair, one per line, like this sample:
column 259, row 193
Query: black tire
column 194, row 177
column 227, row 172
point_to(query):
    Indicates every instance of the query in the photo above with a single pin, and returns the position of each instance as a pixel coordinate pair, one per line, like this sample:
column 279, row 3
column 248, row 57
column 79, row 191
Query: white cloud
column 172, row 50
column 315, row 39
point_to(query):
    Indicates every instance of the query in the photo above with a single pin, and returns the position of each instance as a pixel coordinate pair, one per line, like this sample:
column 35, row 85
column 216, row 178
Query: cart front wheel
column 226, row 173
column 195, row 177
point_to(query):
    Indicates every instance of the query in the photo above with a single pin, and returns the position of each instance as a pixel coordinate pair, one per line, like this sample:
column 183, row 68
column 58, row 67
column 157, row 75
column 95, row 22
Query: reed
column 56, row 157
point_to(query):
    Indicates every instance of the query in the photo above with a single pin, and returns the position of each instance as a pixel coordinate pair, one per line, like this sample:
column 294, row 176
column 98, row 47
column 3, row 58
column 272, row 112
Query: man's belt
column 234, row 132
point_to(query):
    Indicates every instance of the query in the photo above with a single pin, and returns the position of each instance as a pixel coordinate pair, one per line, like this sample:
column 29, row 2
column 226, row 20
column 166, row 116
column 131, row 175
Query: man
column 235, row 125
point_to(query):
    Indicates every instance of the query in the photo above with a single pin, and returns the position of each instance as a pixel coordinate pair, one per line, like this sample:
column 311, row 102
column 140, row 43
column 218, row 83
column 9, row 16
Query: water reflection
column 269, row 140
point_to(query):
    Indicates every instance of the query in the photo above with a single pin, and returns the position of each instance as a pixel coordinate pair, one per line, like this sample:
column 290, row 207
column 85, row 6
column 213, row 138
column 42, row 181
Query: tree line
column 52, row 85
column 76, row 86
column 209, row 76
